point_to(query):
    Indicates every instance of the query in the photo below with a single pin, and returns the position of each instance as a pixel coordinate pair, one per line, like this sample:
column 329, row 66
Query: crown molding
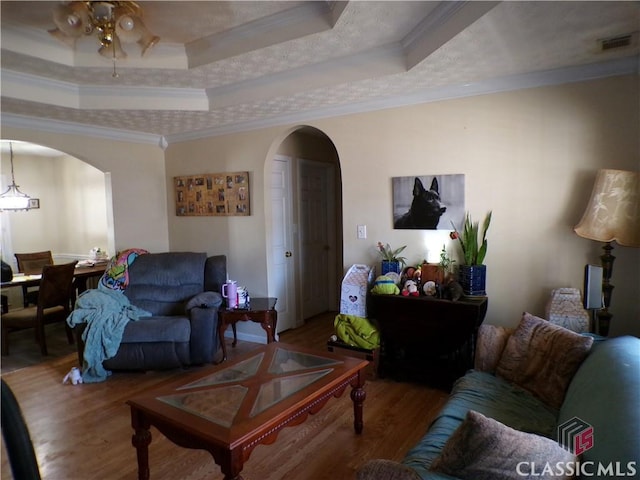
column 623, row 66
column 34, row 88
column 72, row 128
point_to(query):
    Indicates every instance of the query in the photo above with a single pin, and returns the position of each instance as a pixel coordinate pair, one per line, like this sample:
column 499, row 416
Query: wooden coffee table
column 230, row 410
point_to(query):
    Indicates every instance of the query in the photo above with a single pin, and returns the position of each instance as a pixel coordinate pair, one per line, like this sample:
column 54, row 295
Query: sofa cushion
column 542, row 358
column 484, row 449
column 161, row 283
column 605, row 394
column 489, row 346
column 173, row 329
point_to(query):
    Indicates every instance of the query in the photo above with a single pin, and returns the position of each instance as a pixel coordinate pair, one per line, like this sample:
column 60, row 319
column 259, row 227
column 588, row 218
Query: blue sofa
column 604, row 393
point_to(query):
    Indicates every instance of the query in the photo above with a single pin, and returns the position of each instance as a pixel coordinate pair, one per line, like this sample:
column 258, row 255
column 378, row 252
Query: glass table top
column 219, row 397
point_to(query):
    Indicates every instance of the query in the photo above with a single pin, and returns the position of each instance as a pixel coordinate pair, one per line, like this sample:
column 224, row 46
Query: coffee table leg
column 141, row 440
column 358, row 396
column 230, row 463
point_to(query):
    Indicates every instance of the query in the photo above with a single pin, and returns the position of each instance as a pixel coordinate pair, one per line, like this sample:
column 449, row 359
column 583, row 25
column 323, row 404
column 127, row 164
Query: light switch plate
column 362, row 231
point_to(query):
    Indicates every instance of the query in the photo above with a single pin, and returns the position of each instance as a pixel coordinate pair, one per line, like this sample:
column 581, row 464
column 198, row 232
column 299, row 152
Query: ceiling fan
column 112, row 22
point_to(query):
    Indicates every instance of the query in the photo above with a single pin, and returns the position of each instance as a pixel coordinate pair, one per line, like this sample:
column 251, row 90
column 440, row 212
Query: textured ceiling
column 232, row 66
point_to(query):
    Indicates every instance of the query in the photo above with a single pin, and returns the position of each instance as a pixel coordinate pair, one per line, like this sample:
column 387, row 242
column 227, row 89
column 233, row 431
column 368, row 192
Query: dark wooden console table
column 259, row 310
column 427, row 336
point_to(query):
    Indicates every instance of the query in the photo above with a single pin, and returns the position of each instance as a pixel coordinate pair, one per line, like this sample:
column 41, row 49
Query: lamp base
column 604, row 317
column 604, row 320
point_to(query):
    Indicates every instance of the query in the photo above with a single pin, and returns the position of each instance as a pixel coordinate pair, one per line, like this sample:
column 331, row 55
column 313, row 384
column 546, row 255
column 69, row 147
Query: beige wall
column 137, row 183
column 71, row 218
column 530, row 156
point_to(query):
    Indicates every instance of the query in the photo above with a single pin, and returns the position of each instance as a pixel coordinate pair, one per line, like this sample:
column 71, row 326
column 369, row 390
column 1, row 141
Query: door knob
column 287, row 254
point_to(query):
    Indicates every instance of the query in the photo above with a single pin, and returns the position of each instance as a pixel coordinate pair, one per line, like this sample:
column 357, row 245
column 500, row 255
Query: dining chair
column 31, row 264
column 54, row 305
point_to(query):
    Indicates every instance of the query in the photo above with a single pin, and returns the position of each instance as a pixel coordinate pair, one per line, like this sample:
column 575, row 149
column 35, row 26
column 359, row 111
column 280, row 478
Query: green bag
column 356, row 331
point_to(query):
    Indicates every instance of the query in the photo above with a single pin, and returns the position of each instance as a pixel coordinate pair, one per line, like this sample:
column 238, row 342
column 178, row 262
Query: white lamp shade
column 12, row 199
column 613, row 212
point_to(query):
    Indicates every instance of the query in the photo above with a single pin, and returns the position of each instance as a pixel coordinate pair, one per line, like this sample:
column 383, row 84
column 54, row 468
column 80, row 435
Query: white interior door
column 281, row 273
column 317, row 236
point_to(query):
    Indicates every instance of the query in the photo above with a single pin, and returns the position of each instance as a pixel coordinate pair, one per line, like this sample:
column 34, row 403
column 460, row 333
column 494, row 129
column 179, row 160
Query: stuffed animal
column 385, row 286
column 74, row 376
column 429, row 288
column 410, row 288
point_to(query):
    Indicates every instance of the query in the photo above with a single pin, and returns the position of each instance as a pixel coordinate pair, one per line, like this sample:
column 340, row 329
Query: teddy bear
column 385, row 286
column 74, row 376
column 410, row 288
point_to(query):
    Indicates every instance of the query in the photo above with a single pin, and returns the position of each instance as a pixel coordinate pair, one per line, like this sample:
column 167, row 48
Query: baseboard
column 247, row 337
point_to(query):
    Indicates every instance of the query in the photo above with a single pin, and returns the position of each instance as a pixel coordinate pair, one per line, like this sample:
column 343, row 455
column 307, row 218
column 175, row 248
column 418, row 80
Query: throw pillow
column 542, row 358
column 484, row 449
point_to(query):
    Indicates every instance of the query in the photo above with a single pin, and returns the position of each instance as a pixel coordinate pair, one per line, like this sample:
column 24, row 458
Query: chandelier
column 13, row 198
column 112, row 22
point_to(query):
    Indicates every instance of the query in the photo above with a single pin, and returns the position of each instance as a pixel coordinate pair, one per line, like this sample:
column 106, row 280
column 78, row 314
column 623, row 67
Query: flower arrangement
column 473, row 251
column 390, row 255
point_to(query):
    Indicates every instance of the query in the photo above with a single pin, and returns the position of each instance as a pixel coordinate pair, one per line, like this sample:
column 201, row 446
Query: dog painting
column 427, row 208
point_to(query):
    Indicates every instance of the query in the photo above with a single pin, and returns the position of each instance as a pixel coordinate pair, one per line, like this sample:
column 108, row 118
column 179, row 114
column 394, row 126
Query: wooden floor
column 83, row 431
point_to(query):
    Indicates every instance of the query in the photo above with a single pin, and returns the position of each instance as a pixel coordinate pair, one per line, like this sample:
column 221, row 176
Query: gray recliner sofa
column 181, row 290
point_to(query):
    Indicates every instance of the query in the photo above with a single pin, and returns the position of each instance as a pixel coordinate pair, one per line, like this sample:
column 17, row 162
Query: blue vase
column 473, row 279
column 391, row 267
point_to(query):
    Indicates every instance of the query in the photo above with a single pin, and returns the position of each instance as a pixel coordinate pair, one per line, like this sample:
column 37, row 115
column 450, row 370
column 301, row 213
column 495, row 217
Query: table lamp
column 612, row 214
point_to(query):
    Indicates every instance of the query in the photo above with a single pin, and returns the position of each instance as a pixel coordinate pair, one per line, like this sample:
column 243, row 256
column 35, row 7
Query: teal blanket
column 106, row 313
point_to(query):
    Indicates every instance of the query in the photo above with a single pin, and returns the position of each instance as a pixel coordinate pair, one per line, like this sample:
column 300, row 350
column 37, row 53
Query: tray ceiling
column 222, row 67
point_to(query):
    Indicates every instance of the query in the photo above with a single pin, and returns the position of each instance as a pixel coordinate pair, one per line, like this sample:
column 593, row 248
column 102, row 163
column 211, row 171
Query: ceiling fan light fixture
column 111, row 48
column 73, row 20
column 147, row 43
column 69, row 22
column 13, row 198
column 113, row 21
column 126, row 23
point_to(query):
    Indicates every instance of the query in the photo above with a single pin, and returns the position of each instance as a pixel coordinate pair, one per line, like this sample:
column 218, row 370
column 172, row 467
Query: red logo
column 576, row 435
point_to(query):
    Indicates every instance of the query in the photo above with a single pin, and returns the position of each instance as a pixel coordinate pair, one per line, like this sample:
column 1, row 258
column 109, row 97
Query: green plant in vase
column 473, row 242
column 473, row 251
column 391, row 259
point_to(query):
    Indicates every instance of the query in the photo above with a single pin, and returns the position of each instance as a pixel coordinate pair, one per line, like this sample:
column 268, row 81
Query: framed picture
column 212, row 194
column 428, row 202
column 34, row 203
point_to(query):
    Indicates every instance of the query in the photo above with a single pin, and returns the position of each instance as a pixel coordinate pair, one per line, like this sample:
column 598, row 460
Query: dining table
column 80, row 277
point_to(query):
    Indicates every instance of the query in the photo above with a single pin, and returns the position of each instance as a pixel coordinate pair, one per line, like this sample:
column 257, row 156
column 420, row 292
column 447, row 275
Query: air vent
column 619, row 41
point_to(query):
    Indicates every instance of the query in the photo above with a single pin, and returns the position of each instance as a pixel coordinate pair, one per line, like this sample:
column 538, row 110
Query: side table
column 259, row 310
